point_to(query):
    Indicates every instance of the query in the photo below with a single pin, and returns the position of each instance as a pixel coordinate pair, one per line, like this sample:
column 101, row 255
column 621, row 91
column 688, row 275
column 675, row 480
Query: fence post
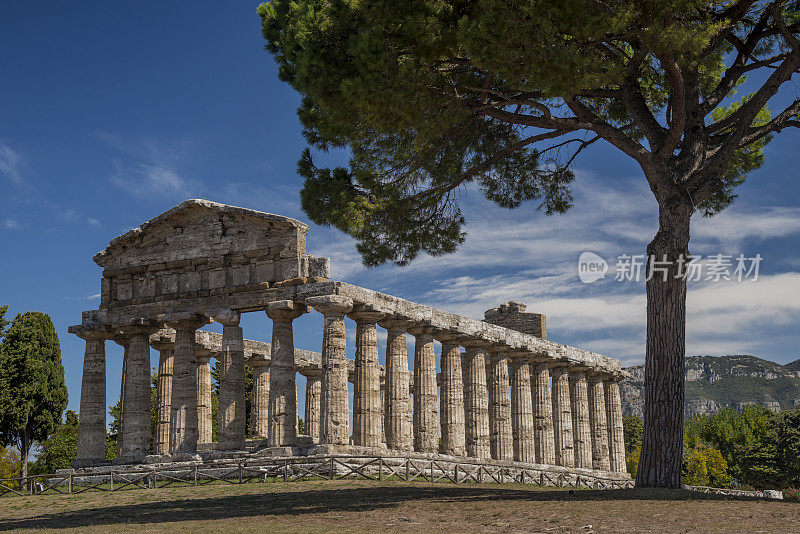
column 240, row 472
column 195, row 474
column 285, row 468
column 407, row 469
column 69, row 484
column 380, row 468
column 112, row 480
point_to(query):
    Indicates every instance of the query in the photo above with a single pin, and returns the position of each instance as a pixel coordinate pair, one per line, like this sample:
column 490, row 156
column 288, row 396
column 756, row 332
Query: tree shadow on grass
column 323, row 500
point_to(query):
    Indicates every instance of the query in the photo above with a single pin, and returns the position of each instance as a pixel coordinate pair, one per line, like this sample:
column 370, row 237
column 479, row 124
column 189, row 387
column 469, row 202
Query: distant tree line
column 751, row 447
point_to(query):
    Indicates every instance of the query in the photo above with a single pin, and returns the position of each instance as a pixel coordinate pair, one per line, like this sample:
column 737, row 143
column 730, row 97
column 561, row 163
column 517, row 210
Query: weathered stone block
column 240, row 275
column 265, row 271
column 216, row 278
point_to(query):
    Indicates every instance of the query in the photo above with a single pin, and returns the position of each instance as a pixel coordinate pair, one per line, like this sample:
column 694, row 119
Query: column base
column 90, row 462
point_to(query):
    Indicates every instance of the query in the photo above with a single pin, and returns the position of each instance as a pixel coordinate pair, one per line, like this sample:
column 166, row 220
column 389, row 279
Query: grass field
column 366, row 506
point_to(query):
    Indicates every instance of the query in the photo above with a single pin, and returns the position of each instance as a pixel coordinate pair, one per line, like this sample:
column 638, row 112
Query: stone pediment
column 202, row 247
column 197, row 228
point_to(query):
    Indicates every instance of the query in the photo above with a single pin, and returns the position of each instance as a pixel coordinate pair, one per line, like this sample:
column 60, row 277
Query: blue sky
column 112, row 113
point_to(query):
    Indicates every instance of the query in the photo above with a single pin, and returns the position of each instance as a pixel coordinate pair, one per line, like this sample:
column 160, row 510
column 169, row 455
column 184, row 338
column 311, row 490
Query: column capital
column 366, row 315
column 331, row 304
column 163, row 339
column 285, row 311
column 183, row 320
column 473, row 343
column 446, row 337
column 419, row 330
column 224, row 316
column 92, row 331
column 599, row 375
column 394, row 322
column 137, row 325
column 203, row 354
column 519, row 356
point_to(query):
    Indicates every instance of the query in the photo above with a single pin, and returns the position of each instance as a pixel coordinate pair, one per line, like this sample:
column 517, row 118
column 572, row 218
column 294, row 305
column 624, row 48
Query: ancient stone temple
column 503, row 394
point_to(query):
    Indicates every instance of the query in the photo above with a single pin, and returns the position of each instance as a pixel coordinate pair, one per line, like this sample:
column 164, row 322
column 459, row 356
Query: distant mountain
column 713, row 382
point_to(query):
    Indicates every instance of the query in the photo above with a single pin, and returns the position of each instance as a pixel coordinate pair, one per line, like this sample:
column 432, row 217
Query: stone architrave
column 334, row 424
column 283, row 375
column 367, row 410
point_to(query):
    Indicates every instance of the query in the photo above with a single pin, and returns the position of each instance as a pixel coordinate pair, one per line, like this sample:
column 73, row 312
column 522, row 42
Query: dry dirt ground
column 367, row 506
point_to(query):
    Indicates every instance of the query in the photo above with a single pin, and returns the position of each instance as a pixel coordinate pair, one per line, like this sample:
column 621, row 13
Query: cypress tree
column 32, row 390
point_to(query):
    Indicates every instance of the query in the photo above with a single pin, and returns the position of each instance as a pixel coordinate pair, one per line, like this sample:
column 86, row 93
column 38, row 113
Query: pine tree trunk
column 23, row 453
column 662, row 445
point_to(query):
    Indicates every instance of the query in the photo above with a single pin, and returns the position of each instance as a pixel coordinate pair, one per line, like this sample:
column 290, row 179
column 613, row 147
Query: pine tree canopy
column 429, row 96
column 32, row 390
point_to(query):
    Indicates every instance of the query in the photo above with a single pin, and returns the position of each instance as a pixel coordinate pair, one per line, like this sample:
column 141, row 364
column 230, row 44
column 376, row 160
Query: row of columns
column 487, row 404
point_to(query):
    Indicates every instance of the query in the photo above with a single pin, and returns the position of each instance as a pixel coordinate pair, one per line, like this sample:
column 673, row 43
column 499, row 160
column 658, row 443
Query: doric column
column 334, row 413
column 597, row 422
column 367, row 409
column 123, row 341
column 477, row 403
column 562, row 418
column 183, row 428
column 543, row 414
column 501, row 441
column 398, row 410
column 232, row 418
column 136, row 425
column 581, row 430
column 522, row 408
column 283, row 376
column 165, row 348
column 451, row 406
column 205, row 429
column 91, row 447
column 426, row 424
column 259, row 411
column 616, row 438
column 313, row 400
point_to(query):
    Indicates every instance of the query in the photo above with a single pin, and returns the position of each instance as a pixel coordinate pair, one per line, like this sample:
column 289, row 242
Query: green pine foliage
column 430, row 96
column 32, row 391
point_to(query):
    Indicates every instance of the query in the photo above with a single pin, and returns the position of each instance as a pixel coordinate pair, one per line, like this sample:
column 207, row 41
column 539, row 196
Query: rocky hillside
column 713, row 382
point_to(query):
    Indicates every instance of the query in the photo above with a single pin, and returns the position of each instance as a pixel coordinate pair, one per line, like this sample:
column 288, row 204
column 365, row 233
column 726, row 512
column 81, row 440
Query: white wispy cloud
column 10, row 163
column 527, row 256
column 70, row 215
column 12, row 224
column 151, row 167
